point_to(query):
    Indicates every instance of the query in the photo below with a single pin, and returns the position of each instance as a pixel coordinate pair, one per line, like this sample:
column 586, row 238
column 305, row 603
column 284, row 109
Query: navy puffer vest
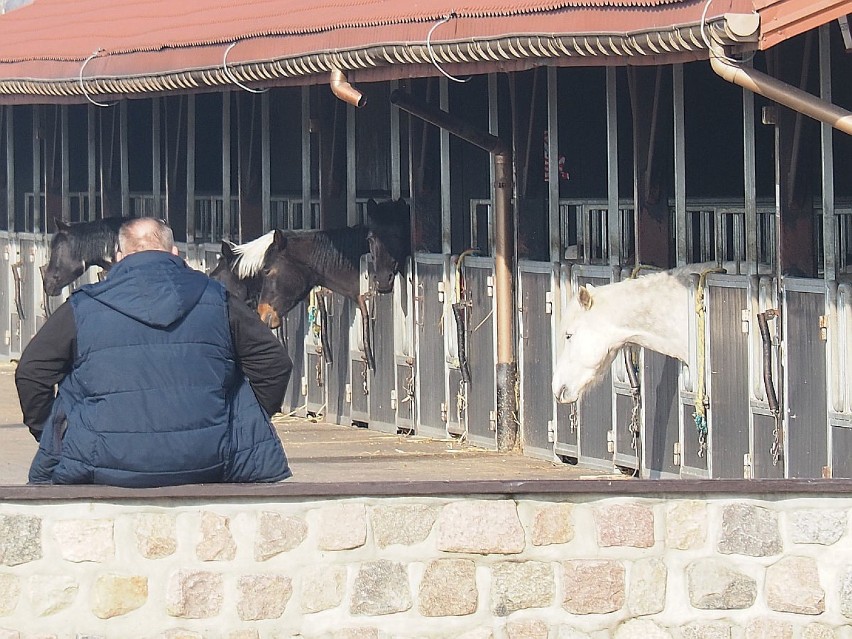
column 155, row 397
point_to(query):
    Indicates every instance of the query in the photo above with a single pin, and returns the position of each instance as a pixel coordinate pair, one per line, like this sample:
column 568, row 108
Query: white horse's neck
column 651, row 311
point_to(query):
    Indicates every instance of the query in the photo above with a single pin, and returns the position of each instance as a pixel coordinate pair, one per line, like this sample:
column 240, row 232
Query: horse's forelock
column 251, row 255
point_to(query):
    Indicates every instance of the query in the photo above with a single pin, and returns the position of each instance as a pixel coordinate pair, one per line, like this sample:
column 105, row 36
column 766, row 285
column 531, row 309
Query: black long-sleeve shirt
column 50, row 354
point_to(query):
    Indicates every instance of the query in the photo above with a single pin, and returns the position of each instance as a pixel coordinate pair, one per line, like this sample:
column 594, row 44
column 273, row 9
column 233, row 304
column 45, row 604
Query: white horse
column 651, row 311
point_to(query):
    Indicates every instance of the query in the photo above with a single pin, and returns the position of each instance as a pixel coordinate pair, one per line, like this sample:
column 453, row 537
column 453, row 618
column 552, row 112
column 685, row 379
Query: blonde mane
column 250, row 256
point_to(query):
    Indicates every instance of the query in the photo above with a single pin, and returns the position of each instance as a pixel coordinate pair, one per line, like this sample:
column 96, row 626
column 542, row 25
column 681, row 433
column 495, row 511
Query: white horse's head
column 589, row 346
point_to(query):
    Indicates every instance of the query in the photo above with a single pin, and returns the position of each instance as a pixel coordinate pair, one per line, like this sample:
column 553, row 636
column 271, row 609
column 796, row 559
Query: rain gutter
column 579, row 49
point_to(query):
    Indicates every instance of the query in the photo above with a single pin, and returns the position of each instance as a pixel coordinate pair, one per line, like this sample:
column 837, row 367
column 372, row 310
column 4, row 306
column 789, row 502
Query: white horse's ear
column 584, row 295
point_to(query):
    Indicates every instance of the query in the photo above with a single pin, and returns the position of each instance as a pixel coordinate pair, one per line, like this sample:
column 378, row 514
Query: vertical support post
column 92, row 165
column 613, row 235
column 308, row 127
column 156, row 157
column 829, row 217
column 265, row 168
column 554, row 223
column 351, row 186
column 10, row 167
column 190, row 169
column 749, row 172
column 504, row 252
column 679, row 165
column 446, row 202
column 226, row 166
column 395, row 170
column 124, row 169
column 38, row 139
column 65, row 154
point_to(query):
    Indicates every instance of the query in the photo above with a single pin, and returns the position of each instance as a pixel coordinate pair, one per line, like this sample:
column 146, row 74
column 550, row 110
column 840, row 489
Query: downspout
column 342, row 89
column 780, row 92
column 504, row 223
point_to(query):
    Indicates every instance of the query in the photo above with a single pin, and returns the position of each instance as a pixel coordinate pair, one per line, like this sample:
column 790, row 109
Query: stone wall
column 559, row 566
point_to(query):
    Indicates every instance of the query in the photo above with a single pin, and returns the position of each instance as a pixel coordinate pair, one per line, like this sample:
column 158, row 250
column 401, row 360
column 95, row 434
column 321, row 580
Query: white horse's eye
column 568, row 335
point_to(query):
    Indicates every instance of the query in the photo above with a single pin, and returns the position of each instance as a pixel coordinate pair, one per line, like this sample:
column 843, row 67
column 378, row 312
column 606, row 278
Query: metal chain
column 319, row 367
column 634, row 426
column 573, row 420
column 364, row 380
column 777, row 448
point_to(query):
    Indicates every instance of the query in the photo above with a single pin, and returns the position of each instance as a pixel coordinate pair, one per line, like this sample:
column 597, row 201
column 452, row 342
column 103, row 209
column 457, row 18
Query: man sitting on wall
column 163, row 380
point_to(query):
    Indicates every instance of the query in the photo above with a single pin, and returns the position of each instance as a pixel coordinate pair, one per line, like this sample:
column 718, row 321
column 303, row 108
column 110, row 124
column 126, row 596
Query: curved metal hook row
column 83, row 84
column 230, row 75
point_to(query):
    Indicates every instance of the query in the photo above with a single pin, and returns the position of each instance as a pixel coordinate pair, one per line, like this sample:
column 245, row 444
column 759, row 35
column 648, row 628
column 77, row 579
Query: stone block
column 381, row 588
column 647, row 589
column 116, row 595
column 85, row 539
column 404, row 524
column 527, row 629
column 277, row 533
column 448, row 588
column 792, row 585
column 10, row 593
column 592, row 587
column 714, row 584
column 323, row 588
column 624, row 525
column 749, row 530
column 768, row 629
column 50, row 594
column 263, row 596
column 480, row 527
column 217, row 543
column 194, row 594
column 517, row 585
column 824, row 527
column 20, row 539
column 156, row 535
column 342, row 526
column 686, row 525
column 818, row 631
column 553, row 524
column 644, row 628
column 706, row 630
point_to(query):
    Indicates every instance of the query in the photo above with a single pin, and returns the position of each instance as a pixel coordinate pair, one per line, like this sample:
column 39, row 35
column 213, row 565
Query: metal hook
column 83, row 86
column 232, row 77
column 432, row 53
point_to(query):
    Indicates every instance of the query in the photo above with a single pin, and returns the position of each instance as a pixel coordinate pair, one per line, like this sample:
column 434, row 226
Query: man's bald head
column 145, row 234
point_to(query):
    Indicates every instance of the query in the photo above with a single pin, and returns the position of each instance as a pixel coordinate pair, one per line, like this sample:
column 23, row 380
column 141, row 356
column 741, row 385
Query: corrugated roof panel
column 784, row 19
column 62, row 30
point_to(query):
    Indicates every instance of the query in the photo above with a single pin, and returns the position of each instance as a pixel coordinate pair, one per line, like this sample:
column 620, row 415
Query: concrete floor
column 328, row 453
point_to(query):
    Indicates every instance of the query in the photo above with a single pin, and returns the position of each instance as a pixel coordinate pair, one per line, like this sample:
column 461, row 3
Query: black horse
column 244, row 288
column 298, row 261
column 77, row 246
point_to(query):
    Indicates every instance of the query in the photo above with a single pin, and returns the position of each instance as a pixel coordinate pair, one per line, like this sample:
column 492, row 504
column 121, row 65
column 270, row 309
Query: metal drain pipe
column 780, row 92
column 504, row 250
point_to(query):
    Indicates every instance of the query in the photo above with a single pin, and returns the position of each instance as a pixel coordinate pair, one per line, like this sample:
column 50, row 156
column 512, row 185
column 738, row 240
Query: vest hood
column 152, row 287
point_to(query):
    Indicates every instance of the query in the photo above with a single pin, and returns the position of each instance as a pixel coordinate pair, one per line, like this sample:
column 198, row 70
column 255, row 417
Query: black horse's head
column 66, row 263
column 389, row 238
column 75, row 247
column 285, row 281
column 243, row 289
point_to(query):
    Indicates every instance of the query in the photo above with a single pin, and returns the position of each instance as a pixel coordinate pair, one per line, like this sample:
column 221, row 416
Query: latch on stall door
column 489, row 282
column 823, row 327
column 548, row 303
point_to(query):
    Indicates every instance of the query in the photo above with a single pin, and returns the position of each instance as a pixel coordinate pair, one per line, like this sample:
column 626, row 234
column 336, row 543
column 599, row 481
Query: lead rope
column 701, row 401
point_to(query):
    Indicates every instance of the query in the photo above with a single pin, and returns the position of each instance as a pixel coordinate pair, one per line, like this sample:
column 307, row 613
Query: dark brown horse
column 294, row 262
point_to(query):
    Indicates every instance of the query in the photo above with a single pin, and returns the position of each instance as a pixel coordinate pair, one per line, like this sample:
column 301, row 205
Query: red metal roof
column 119, row 45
